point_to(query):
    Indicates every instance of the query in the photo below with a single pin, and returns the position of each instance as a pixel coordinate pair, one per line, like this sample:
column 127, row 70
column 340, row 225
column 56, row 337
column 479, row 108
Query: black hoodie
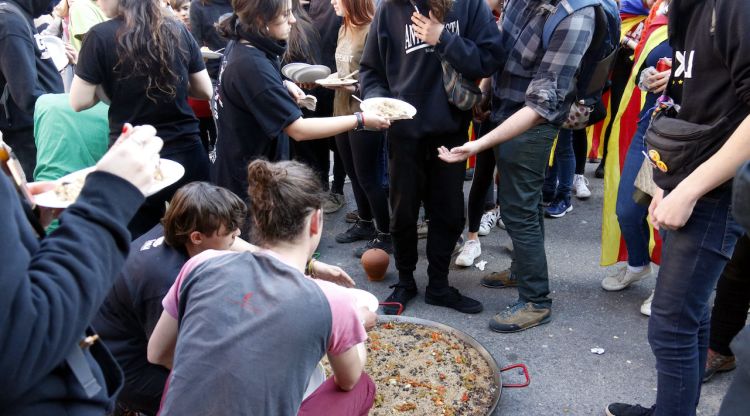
column 395, row 63
column 710, row 72
column 25, row 65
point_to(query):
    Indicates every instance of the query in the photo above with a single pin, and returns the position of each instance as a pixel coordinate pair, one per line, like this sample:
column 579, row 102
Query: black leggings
column 360, row 153
column 580, row 146
column 732, row 299
column 481, row 185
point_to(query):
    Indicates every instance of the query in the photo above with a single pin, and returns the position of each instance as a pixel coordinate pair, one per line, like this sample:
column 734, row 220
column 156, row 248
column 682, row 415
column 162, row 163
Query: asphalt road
column 567, row 378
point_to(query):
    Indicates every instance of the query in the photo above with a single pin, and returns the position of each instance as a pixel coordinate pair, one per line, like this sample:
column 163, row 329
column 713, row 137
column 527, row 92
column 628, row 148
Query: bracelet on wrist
column 360, row 121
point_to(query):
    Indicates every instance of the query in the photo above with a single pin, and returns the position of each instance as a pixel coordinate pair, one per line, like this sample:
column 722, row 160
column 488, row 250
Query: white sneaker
column 471, row 250
column 624, row 278
column 646, row 306
column 489, row 219
column 580, row 187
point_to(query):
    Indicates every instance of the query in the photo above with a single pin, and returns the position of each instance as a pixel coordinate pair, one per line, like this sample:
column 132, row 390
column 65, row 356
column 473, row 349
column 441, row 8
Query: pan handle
column 525, row 373
column 400, row 306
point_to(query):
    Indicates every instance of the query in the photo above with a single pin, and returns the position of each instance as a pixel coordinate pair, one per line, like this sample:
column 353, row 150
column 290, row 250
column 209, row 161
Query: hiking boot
column 622, row 409
column 451, row 298
column 717, row 363
column 382, row 241
column 402, row 293
column 333, row 203
column 352, row 217
column 624, row 278
column 559, row 208
column 520, row 316
column 470, row 251
column 361, row 230
column 646, row 305
column 422, row 229
column 581, row 187
column 489, row 219
column 499, row 280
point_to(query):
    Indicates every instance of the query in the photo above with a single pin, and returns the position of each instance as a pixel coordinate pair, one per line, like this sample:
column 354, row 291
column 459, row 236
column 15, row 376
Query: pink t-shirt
column 346, row 327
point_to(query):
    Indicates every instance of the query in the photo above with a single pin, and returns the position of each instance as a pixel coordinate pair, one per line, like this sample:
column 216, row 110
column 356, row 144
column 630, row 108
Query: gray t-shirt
column 252, row 330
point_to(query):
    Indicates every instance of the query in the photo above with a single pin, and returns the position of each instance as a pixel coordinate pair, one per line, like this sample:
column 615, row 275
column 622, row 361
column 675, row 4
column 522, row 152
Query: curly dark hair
column 146, row 45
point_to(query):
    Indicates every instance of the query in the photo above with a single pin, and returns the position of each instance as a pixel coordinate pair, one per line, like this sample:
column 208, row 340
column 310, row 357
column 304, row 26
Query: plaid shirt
column 541, row 79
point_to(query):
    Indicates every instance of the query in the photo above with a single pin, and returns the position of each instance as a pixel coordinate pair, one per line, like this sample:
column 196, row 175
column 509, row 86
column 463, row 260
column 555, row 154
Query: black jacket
column 51, row 290
column 27, row 70
column 395, row 63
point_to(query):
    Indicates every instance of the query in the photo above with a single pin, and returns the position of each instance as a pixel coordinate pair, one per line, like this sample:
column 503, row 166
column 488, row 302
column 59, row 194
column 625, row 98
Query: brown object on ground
column 375, row 262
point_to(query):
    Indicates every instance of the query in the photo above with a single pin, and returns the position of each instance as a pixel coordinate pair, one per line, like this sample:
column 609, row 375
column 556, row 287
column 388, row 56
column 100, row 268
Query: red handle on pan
column 400, row 306
column 525, row 373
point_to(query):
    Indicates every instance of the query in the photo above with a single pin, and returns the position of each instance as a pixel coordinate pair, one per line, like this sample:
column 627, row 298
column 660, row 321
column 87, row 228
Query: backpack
column 599, row 58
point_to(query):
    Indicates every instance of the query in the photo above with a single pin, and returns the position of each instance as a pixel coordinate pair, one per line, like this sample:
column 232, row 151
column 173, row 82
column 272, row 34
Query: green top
column 83, row 15
column 67, row 141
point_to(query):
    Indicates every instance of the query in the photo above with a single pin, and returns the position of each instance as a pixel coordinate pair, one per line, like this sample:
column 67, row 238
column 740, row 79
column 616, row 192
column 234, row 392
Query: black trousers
column 24, row 147
column 732, row 299
column 416, row 175
column 481, row 185
column 580, row 146
column 360, row 153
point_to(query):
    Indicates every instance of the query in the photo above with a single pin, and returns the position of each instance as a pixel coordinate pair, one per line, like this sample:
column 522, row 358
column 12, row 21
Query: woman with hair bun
column 253, row 327
column 146, row 63
column 255, row 108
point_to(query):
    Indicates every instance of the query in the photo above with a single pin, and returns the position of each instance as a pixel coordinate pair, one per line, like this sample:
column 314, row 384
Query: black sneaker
column 599, row 172
column 402, row 294
column 382, row 241
column 361, row 230
column 622, row 409
column 451, row 298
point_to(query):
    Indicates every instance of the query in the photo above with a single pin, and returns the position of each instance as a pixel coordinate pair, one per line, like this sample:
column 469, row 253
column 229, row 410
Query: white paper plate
column 171, row 172
column 317, row 378
column 407, row 111
column 211, row 54
column 289, row 69
column 56, row 48
column 365, row 298
column 311, row 73
column 335, row 82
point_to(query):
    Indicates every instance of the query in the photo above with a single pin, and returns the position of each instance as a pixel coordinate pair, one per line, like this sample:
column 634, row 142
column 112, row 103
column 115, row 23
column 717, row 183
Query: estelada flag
column 624, row 126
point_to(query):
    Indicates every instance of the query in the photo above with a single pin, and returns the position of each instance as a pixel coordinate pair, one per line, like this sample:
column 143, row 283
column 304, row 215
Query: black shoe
column 361, row 230
column 451, row 298
column 402, row 294
column 382, row 241
column 599, row 172
column 622, row 409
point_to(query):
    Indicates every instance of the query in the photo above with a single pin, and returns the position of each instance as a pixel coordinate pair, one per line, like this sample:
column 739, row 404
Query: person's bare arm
column 318, row 128
column 199, row 85
column 82, row 94
column 521, row 121
column 347, row 368
column 163, row 340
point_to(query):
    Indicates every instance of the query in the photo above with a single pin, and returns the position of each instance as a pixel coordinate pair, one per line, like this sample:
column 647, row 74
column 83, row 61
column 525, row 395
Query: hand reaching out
column 458, row 154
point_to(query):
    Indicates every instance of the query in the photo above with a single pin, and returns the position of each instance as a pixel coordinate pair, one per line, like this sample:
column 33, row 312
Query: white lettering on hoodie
column 413, row 43
column 684, row 64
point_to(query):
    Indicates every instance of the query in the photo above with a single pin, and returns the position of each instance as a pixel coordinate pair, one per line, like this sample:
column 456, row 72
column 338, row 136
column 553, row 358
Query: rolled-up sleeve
column 556, row 76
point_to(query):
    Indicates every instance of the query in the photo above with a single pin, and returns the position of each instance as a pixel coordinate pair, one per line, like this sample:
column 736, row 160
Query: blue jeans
column 521, row 163
column 559, row 179
column 632, row 216
column 693, row 257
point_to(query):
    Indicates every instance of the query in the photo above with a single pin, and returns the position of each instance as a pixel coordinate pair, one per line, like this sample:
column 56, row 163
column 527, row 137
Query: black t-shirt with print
column 253, row 107
column 170, row 115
